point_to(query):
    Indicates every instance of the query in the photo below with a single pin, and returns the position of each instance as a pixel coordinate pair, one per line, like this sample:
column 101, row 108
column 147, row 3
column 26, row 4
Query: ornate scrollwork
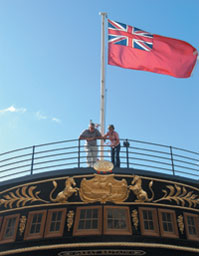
column 180, row 223
column 70, row 216
column 180, row 195
column 21, row 197
column 134, row 215
column 101, row 188
column 22, row 224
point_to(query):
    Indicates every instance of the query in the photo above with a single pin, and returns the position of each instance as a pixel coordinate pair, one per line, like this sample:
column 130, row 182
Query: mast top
column 103, row 14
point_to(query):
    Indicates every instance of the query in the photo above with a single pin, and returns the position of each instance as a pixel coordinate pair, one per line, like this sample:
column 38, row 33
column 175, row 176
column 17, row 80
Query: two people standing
column 91, row 135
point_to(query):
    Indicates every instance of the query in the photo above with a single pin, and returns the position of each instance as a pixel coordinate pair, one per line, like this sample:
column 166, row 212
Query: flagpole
column 102, row 89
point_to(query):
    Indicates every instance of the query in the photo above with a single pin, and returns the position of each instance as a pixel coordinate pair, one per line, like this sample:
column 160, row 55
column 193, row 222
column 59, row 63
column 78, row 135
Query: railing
column 71, row 154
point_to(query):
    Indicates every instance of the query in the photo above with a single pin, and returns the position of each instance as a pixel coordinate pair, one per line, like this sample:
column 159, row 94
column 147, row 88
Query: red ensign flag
column 133, row 48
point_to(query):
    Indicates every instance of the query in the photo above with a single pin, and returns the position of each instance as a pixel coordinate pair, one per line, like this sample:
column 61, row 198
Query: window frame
column 83, row 232
column 1, row 220
column 127, row 231
column 155, row 231
column 4, row 226
column 58, row 233
column 28, row 235
column 164, row 233
column 196, row 222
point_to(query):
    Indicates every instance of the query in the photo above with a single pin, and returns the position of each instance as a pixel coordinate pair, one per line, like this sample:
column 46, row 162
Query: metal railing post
column 32, row 162
column 78, row 163
column 172, row 162
column 126, row 144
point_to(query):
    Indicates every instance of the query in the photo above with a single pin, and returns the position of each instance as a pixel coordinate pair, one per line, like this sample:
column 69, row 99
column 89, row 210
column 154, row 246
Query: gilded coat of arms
column 103, row 188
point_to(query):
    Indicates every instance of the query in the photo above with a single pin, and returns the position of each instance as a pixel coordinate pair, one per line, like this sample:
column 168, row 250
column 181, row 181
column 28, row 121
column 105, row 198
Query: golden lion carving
column 68, row 191
column 136, row 187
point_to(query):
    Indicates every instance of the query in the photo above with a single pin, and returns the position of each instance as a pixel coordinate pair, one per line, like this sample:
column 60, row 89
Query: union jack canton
column 126, row 35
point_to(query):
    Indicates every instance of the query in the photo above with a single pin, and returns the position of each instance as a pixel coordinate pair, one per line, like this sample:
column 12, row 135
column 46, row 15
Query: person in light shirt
column 91, row 135
column 113, row 136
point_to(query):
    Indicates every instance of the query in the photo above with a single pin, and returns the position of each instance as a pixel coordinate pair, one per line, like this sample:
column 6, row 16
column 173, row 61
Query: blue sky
column 50, row 73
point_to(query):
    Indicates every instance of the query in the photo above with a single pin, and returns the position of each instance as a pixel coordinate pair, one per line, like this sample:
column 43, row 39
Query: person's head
column 111, row 127
column 91, row 127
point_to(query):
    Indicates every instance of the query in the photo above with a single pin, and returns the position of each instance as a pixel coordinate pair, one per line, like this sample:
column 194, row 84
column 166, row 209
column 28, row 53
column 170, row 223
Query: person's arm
column 83, row 135
column 106, row 135
column 97, row 135
column 85, row 138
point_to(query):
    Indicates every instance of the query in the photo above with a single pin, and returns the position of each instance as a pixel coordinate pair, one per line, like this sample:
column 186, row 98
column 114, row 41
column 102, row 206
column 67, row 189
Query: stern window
column 35, row 225
column 9, row 228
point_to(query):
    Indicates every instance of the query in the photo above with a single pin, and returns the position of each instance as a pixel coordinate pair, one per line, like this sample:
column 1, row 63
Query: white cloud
column 57, row 120
column 12, row 109
column 40, row 116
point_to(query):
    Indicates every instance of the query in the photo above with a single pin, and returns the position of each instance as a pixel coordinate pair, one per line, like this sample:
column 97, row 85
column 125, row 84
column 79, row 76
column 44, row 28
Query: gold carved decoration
column 103, row 166
column 70, row 216
column 103, row 188
column 180, row 223
column 21, row 197
column 136, row 187
column 179, row 195
column 134, row 215
column 102, row 252
column 22, row 224
column 69, row 190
